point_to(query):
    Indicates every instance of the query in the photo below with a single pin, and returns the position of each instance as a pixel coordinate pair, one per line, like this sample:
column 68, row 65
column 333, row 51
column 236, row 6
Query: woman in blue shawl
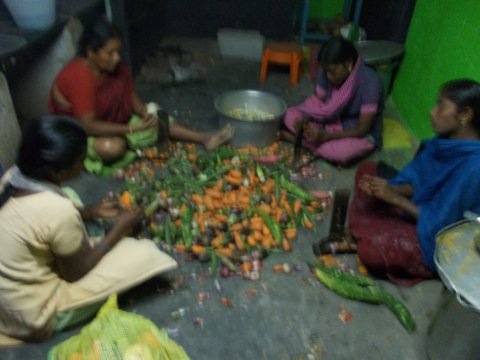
column 395, row 221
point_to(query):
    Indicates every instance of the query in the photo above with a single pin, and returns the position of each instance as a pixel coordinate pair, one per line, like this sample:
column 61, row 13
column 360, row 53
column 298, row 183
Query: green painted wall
column 443, row 43
column 325, row 8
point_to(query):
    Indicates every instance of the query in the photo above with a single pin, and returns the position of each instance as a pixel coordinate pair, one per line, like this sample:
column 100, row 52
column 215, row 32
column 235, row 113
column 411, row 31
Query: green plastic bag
column 118, row 335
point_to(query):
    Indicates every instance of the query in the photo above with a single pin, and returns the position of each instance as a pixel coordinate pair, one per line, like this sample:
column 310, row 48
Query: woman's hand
column 127, row 218
column 379, row 189
column 106, row 209
column 315, row 135
column 148, row 122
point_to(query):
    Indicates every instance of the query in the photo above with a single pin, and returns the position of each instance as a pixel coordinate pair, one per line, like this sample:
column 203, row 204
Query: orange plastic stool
column 284, row 53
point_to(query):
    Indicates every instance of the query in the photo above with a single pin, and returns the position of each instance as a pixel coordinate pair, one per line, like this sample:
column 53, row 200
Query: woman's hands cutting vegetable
column 380, row 189
column 315, row 135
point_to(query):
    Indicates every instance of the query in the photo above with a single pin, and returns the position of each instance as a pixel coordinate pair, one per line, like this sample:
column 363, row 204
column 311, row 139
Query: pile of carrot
column 242, row 208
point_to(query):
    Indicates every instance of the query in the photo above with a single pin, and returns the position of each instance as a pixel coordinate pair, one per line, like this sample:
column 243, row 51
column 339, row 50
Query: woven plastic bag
column 118, row 335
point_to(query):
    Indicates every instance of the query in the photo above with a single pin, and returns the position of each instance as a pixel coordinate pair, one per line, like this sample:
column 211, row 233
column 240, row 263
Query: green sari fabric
column 136, row 141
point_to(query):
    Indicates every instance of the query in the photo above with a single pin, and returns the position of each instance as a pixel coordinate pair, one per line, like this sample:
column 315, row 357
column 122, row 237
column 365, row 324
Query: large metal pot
column 454, row 332
column 259, row 133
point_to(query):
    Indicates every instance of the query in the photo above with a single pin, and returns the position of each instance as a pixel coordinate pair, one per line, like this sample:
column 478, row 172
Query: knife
column 297, row 149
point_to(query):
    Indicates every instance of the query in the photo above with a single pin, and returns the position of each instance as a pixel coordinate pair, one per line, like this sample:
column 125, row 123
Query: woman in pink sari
column 342, row 120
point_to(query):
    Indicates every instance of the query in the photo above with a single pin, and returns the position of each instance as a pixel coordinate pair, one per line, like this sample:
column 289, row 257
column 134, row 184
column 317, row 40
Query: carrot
column 297, row 206
column 126, row 199
column 362, row 270
column 257, row 225
column 252, row 177
column 197, row 199
column 257, row 235
column 219, row 184
column 217, row 204
column 208, row 202
column 265, row 230
column 239, row 241
column 251, row 241
column 149, row 153
column 286, row 245
column 180, row 247
column 274, row 147
column 214, row 193
column 308, row 224
column 192, row 156
column 198, row 249
column 236, row 227
column 225, row 252
column 235, row 173
column 221, row 217
column 244, row 200
column 278, row 268
column 290, row 233
column 265, row 208
column 267, row 242
column 233, row 180
column 286, row 206
column 246, row 267
column 218, row 241
column 190, row 147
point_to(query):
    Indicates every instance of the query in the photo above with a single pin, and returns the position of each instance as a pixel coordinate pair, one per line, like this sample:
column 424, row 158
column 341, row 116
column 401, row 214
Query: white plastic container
column 246, row 44
column 32, row 14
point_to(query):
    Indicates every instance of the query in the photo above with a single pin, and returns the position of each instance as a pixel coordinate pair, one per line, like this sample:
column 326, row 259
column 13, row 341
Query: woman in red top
column 97, row 89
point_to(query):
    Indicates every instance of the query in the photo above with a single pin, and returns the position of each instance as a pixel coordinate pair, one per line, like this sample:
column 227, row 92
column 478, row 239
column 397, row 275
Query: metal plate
column 458, row 262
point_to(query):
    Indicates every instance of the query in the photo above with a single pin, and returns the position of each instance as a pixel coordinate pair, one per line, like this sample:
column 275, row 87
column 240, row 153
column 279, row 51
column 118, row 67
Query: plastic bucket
column 32, row 14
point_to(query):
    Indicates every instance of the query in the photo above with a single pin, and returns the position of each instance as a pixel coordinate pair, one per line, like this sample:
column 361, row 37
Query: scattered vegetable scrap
column 225, row 301
column 198, row 322
column 178, row 314
column 344, row 315
column 251, row 293
column 223, row 206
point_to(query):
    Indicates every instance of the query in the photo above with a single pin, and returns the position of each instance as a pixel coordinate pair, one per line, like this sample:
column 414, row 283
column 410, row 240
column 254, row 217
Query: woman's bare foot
column 219, row 137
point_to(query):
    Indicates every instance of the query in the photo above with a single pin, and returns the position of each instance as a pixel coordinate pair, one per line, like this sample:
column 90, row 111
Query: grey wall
column 149, row 20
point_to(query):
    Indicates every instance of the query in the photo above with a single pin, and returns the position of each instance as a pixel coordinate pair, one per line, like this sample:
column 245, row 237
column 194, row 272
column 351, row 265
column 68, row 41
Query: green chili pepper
column 168, row 234
column 272, row 225
column 260, row 174
column 277, row 187
column 152, row 207
column 185, row 227
column 213, row 262
column 296, row 190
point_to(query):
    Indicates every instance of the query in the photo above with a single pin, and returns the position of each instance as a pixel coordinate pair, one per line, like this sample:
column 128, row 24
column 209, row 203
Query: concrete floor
column 281, row 316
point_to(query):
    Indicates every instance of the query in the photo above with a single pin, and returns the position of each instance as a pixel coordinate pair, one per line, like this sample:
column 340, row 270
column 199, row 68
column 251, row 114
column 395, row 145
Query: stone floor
column 283, row 315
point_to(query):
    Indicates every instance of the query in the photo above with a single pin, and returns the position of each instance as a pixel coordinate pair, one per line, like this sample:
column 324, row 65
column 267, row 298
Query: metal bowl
column 259, row 133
